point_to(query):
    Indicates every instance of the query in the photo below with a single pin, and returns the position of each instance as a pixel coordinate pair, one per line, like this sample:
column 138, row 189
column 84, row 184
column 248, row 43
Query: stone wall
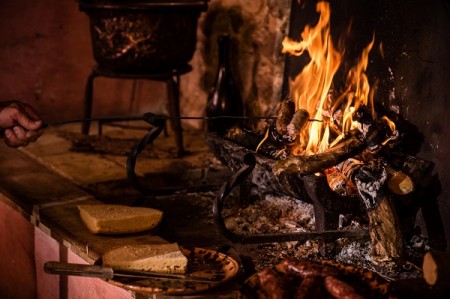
column 256, row 29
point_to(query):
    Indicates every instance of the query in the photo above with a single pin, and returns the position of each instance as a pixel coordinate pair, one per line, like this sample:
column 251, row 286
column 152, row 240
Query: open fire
column 330, row 145
column 314, row 92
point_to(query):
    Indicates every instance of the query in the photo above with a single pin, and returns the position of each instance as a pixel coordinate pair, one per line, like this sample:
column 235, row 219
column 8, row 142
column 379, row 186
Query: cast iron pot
column 143, row 35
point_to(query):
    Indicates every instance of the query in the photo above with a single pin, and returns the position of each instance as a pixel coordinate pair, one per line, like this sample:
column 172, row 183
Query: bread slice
column 162, row 258
column 118, row 219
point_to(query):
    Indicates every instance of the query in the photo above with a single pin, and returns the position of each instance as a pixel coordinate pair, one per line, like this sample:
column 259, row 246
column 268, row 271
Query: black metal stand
column 172, row 79
column 326, row 228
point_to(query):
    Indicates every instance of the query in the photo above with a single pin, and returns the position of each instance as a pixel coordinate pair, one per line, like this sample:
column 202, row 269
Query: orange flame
column 311, row 89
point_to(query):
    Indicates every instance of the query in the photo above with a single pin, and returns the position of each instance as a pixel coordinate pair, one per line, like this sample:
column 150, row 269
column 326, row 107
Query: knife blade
column 104, row 272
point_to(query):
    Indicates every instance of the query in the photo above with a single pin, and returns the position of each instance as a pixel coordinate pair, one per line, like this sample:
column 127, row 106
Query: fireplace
column 377, row 19
column 409, row 80
column 385, row 21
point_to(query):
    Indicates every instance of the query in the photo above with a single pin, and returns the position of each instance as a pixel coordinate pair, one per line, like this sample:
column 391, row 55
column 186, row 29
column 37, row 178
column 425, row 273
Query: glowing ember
column 312, row 88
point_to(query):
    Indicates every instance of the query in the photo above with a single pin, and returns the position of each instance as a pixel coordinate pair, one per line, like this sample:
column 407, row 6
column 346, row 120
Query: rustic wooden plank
column 50, row 202
column 29, row 183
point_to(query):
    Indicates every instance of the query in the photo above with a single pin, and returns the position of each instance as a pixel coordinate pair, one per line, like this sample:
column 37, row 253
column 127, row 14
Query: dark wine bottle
column 224, row 98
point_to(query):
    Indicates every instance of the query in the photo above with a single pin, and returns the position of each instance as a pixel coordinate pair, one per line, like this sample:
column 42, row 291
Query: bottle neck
column 224, row 50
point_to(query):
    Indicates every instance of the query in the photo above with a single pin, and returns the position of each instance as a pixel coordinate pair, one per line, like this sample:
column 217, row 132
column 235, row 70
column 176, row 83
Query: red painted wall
column 17, row 271
column 24, row 250
column 45, row 58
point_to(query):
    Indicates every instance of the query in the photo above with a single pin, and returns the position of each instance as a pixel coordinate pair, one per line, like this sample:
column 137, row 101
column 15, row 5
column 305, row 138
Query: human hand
column 19, row 123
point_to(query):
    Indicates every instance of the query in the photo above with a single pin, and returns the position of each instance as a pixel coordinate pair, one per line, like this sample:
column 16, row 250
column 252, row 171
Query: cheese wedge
column 118, row 219
column 162, row 258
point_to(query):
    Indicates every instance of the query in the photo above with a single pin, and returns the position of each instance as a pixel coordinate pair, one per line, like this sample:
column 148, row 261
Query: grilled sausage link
column 310, row 287
column 272, row 285
column 340, row 289
column 291, row 266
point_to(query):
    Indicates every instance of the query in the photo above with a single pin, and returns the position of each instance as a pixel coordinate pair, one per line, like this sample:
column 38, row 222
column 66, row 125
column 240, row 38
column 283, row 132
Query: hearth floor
column 97, row 164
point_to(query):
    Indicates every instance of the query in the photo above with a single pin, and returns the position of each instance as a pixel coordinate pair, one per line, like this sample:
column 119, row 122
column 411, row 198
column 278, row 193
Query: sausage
column 272, row 285
column 310, row 287
column 304, row 269
column 340, row 289
column 286, row 112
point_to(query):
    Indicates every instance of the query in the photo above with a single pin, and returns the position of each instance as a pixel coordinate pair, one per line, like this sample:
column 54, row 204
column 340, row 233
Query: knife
column 105, row 272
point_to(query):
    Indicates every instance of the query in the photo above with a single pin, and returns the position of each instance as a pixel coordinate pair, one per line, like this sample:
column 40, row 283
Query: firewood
column 436, row 268
column 251, row 140
column 417, row 169
column 375, row 130
column 339, row 182
column 399, row 182
column 387, row 247
column 317, row 163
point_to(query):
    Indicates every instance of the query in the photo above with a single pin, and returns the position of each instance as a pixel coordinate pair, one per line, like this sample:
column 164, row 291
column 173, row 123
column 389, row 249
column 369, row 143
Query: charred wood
column 423, row 196
column 340, row 182
column 374, row 130
column 387, row 247
column 317, row 163
column 321, row 194
column 251, row 140
column 417, row 169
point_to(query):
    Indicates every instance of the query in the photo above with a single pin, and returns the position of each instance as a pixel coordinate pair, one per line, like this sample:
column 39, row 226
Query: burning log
column 316, row 163
column 375, row 131
column 436, row 268
column 387, row 247
column 339, row 182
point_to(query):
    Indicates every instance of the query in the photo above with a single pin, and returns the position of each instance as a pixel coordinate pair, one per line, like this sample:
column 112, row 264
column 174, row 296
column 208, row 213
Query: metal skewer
column 150, row 116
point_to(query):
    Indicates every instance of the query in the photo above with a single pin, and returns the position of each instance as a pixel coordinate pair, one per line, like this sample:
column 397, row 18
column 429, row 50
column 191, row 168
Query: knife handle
column 78, row 270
